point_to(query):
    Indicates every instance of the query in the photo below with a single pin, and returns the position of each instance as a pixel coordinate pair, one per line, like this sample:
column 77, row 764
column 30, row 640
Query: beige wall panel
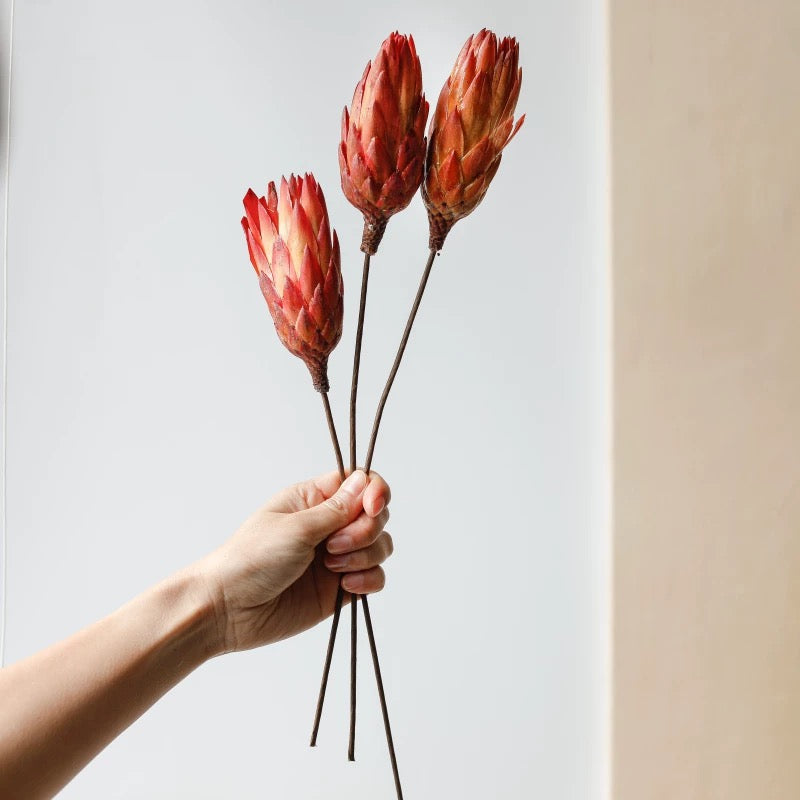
column 706, row 270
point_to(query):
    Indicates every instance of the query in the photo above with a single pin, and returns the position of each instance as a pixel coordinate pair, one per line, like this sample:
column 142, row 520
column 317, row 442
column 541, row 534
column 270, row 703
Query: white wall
column 150, row 407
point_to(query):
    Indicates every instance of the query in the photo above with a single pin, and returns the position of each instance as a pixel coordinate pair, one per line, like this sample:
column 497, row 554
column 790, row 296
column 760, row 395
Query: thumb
column 318, row 522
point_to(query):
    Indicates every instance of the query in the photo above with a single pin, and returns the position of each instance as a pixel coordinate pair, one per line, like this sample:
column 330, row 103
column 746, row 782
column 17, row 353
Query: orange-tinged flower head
column 473, row 122
column 299, row 268
column 382, row 151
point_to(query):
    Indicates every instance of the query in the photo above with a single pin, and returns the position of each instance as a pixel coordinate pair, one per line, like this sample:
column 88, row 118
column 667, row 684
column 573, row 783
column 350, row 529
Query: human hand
column 277, row 577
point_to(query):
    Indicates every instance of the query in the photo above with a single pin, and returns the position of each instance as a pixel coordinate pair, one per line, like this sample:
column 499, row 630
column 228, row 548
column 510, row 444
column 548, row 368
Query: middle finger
column 363, row 559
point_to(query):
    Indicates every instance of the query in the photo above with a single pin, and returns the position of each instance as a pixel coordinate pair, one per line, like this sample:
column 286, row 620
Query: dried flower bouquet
column 384, row 158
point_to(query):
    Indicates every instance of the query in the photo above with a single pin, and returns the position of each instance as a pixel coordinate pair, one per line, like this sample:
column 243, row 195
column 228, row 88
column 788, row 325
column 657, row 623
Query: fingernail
column 340, row 544
column 378, row 508
column 336, row 562
column 355, row 483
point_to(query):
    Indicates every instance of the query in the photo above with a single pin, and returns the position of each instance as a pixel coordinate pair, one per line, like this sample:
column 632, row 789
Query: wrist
column 195, row 615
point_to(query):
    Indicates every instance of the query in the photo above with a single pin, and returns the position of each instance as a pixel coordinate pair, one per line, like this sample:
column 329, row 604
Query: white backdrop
column 150, row 406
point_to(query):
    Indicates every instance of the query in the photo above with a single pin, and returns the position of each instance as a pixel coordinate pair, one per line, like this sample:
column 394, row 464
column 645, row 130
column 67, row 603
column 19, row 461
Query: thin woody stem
column 351, row 746
column 398, row 358
column 384, row 710
column 337, row 610
column 367, row 467
column 357, row 360
column 367, row 619
column 370, row 452
column 334, row 437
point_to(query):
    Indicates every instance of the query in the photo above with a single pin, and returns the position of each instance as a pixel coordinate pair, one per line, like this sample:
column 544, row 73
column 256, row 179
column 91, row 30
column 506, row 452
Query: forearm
column 62, row 706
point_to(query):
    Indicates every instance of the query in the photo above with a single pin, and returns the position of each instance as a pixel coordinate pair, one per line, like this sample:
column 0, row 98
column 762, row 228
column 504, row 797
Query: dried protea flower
column 473, row 122
column 298, row 268
column 382, row 152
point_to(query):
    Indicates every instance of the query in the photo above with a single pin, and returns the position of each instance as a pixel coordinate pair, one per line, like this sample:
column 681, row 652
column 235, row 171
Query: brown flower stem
column 357, row 360
column 370, row 452
column 334, row 435
column 337, row 610
column 351, row 747
column 382, row 696
column 398, row 358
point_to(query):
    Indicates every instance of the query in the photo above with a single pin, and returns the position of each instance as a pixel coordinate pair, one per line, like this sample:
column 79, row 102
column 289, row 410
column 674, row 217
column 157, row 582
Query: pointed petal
column 376, row 123
column 300, row 235
column 412, row 175
column 280, row 264
column 316, row 308
column 409, row 150
column 336, row 261
column 358, row 96
column 332, row 288
column 487, row 53
column 305, row 328
column 257, row 257
column 410, row 87
column 324, row 245
column 451, row 137
column 502, row 81
column 250, row 202
column 378, row 159
column 500, row 136
column 284, row 207
column 272, row 197
column 291, row 301
column 310, row 275
column 266, row 227
column 393, row 197
column 462, row 56
column 475, row 108
column 511, row 101
column 310, row 199
column 431, row 190
column 477, row 160
column 516, row 129
column 463, row 77
column 370, row 191
column 273, row 301
column 359, row 171
column 478, row 188
column 450, row 173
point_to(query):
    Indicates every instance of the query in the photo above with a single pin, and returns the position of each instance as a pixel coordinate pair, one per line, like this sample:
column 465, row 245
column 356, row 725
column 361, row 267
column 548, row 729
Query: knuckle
column 388, row 543
column 336, row 504
column 310, row 494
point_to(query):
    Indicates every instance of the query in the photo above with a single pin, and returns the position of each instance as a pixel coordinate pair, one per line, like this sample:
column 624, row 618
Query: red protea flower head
column 382, row 152
column 473, row 122
column 298, row 268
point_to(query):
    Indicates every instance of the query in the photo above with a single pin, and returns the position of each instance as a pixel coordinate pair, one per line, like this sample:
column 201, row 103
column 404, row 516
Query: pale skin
column 277, row 576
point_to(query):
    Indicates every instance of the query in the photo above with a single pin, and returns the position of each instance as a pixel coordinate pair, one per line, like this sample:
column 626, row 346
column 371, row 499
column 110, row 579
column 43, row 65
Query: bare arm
column 62, row 706
column 65, row 704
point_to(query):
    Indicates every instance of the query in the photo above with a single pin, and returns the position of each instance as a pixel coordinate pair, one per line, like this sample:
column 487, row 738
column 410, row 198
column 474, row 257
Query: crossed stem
column 367, row 466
